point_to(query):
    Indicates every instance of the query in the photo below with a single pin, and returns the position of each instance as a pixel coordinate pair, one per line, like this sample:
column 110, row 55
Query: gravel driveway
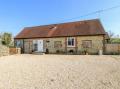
column 59, row 72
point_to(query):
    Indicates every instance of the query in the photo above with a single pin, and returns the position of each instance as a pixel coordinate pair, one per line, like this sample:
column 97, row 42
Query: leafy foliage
column 115, row 40
column 6, row 38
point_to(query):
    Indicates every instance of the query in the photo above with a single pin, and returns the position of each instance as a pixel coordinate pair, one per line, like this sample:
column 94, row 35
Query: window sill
column 71, row 46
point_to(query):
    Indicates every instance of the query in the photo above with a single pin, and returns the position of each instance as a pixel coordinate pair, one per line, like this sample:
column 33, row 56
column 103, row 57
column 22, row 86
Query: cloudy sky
column 17, row 14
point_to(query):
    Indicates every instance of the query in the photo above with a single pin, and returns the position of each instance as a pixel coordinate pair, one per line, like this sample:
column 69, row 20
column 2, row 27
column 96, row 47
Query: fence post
column 19, row 50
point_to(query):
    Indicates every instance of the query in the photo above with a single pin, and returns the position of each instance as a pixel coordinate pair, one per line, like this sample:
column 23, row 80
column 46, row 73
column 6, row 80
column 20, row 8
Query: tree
column 6, row 38
column 111, row 34
column 114, row 38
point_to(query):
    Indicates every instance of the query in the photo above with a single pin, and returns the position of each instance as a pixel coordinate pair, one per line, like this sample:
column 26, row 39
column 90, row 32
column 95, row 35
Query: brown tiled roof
column 79, row 28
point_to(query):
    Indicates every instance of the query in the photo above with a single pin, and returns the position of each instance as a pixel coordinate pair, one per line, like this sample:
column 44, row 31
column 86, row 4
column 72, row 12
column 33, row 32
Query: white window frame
column 71, row 40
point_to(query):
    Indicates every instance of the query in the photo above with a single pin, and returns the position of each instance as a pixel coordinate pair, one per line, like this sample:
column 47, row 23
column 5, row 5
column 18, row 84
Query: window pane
column 69, row 42
column 72, row 42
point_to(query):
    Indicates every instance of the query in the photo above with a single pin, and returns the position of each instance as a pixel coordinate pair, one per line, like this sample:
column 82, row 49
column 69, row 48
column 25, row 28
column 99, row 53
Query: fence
column 14, row 51
column 112, row 48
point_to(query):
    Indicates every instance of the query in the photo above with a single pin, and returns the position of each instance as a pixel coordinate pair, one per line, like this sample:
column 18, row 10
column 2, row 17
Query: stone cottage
column 78, row 37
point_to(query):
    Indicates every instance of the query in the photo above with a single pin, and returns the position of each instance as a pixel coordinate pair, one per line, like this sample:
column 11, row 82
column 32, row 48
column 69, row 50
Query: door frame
column 38, row 41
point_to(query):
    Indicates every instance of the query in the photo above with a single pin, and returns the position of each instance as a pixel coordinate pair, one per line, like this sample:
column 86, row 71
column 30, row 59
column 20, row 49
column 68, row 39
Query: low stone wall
column 4, row 51
column 112, row 48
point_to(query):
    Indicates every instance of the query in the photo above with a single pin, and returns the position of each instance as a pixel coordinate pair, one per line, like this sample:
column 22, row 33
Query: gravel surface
column 59, row 72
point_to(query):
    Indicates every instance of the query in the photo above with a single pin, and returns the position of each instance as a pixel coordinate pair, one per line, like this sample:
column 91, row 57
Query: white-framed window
column 71, row 42
column 19, row 43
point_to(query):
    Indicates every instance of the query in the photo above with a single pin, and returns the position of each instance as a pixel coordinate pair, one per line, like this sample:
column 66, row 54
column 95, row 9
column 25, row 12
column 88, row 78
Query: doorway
column 38, row 46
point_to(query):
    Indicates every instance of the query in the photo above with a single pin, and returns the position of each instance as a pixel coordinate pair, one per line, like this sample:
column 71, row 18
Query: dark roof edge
column 61, row 36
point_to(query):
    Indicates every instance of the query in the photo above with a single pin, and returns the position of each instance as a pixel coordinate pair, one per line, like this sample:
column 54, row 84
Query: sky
column 17, row 14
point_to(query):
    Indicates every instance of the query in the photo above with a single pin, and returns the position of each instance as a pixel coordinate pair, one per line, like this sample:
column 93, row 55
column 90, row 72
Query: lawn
column 59, row 72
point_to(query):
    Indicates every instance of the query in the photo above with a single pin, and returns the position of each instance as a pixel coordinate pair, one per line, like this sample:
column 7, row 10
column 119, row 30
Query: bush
column 111, row 53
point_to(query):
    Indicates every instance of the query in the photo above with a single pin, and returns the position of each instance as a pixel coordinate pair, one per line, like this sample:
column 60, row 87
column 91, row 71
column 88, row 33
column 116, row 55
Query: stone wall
column 97, row 44
column 4, row 51
column 28, row 45
column 49, row 43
